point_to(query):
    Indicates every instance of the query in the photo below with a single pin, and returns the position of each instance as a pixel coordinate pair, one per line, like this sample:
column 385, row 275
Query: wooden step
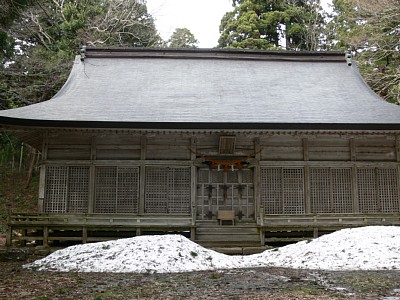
column 228, row 244
column 243, row 234
column 227, row 230
column 225, row 224
column 228, row 237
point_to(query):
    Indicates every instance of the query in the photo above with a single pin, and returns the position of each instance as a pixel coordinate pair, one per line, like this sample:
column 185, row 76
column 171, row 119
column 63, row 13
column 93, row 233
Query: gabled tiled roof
column 207, row 88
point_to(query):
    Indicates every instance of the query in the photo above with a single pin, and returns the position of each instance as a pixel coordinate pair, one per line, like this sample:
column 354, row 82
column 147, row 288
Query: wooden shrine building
column 230, row 147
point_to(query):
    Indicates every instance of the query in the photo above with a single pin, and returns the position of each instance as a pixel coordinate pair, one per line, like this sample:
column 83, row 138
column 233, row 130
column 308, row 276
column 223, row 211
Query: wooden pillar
column 9, row 236
column 9, row 228
column 92, row 175
column 306, row 155
column 42, row 188
column 45, row 236
column 398, row 167
column 24, row 235
column 93, row 148
column 84, row 235
column 307, row 189
column 356, row 207
column 92, row 187
column 142, row 177
column 193, row 188
column 306, row 158
column 259, row 209
column 398, row 184
column 353, row 150
column 262, row 237
column 353, row 157
column 42, row 176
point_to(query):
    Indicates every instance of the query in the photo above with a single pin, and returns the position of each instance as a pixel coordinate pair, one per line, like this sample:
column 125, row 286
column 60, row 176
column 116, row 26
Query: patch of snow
column 142, row 254
column 367, row 248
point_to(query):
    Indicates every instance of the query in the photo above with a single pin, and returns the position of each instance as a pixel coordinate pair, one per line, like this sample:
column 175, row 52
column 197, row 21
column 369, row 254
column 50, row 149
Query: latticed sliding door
column 331, row 190
column 217, row 190
column 378, row 190
column 282, row 190
column 117, row 190
column 67, row 189
column 167, row 190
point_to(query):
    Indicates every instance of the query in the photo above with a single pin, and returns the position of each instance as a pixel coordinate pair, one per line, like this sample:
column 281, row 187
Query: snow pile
column 142, row 254
column 367, row 248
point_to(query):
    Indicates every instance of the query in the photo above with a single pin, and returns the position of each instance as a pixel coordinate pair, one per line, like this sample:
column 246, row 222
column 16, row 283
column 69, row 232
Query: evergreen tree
column 267, row 24
column 371, row 29
column 182, row 38
column 10, row 10
column 50, row 33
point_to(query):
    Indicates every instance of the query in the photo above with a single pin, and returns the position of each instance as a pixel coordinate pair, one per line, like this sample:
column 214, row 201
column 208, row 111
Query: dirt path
column 260, row 283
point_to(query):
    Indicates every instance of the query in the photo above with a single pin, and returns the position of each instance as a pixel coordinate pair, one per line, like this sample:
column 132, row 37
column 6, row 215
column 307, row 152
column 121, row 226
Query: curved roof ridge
column 212, row 53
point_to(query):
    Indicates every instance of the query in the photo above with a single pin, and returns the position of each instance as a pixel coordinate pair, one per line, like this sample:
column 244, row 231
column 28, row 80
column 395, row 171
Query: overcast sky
column 201, row 17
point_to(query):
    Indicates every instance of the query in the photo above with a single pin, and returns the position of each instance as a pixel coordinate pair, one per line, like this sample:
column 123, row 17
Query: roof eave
column 33, row 123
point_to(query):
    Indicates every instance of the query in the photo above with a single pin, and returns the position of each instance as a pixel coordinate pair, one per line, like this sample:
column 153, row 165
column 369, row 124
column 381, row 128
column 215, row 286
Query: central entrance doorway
column 225, row 191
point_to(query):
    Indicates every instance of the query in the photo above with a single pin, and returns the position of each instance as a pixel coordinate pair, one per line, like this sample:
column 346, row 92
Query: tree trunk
column 32, row 158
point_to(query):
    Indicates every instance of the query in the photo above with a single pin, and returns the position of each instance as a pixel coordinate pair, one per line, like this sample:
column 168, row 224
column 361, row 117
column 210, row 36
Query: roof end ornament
column 83, row 53
column 348, row 57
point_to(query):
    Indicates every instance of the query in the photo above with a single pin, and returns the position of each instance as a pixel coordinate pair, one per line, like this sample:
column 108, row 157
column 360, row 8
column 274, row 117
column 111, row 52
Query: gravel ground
column 259, row 283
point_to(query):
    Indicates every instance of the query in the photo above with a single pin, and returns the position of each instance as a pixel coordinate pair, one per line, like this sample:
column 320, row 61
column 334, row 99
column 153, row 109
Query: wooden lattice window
column 342, row 196
column 271, row 190
column 117, row 190
column 167, row 190
column 378, row 190
column 388, row 190
column 282, row 190
column 67, row 189
column 331, row 190
column 78, row 189
column 320, row 185
column 366, row 180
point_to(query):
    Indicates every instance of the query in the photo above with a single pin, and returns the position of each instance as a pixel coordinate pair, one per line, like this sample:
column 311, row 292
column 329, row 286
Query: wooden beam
column 333, row 164
column 122, row 163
